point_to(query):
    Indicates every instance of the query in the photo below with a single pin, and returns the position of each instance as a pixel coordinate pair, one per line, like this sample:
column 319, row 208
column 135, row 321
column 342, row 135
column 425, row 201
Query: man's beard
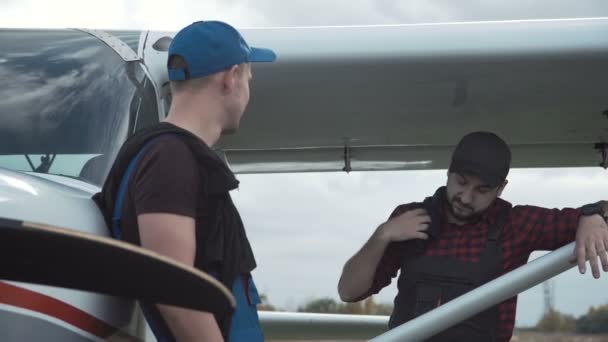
column 471, row 217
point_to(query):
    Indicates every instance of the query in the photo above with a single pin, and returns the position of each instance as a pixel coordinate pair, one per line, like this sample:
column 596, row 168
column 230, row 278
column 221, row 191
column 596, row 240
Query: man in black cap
column 464, row 236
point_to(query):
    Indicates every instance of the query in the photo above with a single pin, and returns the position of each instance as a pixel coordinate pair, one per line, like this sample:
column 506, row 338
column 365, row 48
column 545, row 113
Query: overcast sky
column 305, row 226
column 171, row 15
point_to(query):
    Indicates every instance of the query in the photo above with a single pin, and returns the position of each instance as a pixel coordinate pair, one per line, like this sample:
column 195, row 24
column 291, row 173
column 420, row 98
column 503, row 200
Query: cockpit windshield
column 67, row 102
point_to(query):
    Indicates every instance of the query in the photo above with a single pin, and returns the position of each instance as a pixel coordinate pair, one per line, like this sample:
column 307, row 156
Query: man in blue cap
column 175, row 200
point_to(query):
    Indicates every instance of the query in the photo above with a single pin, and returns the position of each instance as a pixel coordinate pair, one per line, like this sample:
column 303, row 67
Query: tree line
column 595, row 321
column 330, row 305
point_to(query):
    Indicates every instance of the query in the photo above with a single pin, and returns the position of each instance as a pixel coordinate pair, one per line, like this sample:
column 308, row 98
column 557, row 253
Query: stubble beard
column 471, row 217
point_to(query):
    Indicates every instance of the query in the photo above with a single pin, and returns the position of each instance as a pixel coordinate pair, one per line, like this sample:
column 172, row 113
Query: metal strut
column 347, row 155
column 603, row 149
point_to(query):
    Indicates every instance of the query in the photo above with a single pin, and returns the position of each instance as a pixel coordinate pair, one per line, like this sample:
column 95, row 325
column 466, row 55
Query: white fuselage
column 69, row 315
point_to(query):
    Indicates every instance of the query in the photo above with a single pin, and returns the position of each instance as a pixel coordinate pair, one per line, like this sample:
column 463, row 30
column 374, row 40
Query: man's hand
column 591, row 242
column 410, row 225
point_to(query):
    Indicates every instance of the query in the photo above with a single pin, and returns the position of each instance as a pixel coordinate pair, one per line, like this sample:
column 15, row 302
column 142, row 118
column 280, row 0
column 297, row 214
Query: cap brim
column 262, row 55
column 487, row 176
column 492, row 181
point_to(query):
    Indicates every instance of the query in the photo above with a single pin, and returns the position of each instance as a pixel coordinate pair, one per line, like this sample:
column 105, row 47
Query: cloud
column 140, row 14
column 64, row 14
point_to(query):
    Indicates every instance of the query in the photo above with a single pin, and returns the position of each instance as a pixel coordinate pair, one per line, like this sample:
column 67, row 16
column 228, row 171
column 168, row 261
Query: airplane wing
column 399, row 97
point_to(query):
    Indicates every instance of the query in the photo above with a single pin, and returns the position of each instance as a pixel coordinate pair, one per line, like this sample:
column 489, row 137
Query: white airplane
column 347, row 99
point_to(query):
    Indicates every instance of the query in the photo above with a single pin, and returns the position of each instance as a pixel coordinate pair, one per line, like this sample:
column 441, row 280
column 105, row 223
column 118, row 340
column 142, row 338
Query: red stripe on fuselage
column 34, row 301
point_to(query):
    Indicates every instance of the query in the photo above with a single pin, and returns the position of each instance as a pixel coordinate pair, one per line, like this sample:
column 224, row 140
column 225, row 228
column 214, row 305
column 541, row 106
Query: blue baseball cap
column 212, row 46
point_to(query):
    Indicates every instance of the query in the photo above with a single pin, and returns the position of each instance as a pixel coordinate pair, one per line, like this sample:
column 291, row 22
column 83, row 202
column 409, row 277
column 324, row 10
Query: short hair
column 178, row 62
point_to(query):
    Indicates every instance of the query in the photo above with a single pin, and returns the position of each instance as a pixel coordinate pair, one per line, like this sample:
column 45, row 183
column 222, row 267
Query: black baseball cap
column 482, row 154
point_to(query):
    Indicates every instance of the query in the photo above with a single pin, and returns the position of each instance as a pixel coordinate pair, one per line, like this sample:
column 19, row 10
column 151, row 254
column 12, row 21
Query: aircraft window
column 147, row 111
column 69, row 165
column 131, row 38
column 67, row 102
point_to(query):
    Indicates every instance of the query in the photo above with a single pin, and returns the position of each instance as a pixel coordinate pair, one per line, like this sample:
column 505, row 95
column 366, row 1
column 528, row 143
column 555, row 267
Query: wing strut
column 603, row 149
column 347, row 154
column 483, row 297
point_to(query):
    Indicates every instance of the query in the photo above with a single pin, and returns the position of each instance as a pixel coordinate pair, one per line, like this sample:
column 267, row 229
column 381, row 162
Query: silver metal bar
column 492, row 293
column 314, row 326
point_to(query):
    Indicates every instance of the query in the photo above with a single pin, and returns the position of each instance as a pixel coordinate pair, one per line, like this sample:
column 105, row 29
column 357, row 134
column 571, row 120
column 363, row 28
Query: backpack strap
column 495, row 230
column 160, row 333
column 122, row 189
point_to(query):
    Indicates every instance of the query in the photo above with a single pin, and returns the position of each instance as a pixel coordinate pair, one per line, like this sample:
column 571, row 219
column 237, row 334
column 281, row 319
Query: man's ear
column 502, row 187
column 229, row 79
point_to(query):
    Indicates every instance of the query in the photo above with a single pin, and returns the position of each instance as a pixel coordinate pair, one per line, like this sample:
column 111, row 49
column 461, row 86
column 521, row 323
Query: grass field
column 546, row 337
column 520, row 337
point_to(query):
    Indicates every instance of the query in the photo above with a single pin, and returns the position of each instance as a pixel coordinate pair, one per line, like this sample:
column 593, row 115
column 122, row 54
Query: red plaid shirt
column 529, row 228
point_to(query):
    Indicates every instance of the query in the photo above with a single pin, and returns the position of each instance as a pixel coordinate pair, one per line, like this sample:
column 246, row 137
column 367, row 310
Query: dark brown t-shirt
column 166, row 179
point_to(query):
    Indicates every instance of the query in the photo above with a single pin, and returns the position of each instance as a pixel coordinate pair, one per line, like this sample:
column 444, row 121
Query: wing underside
column 400, row 97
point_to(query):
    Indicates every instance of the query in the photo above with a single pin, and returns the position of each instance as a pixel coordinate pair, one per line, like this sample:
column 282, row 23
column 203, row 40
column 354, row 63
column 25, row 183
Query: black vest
column 426, row 282
column 223, row 245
